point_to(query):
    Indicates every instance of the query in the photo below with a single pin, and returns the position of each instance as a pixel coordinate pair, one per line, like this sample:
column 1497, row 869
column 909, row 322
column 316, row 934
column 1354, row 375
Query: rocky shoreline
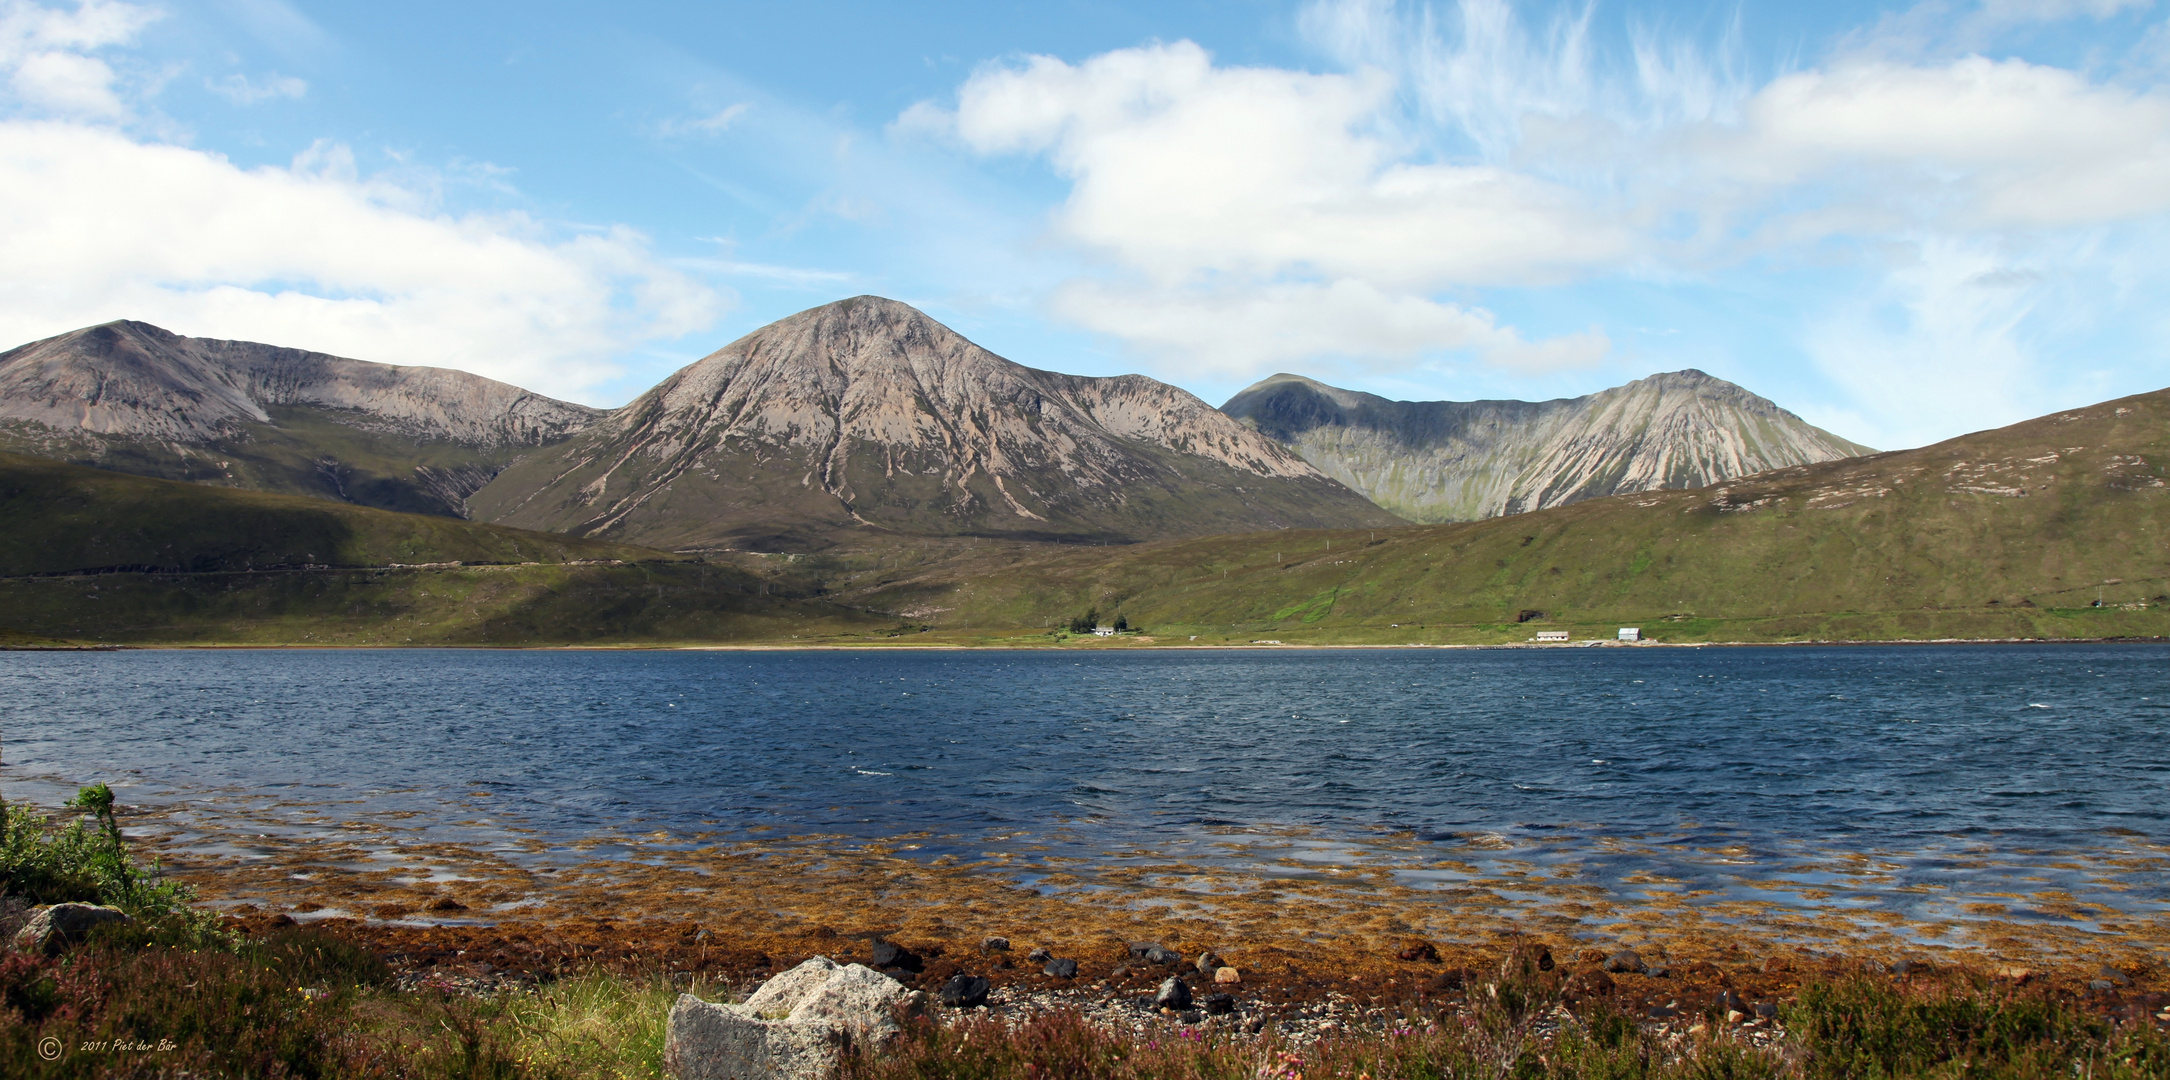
column 1124, row 986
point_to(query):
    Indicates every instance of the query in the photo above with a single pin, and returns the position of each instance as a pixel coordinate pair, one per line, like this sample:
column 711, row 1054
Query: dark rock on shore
column 1061, row 969
column 1419, row 952
column 1444, row 982
column 1220, row 1004
column 889, row 954
column 1174, row 994
column 1590, row 983
column 1625, row 962
column 965, row 991
column 1039, row 956
column 1210, row 963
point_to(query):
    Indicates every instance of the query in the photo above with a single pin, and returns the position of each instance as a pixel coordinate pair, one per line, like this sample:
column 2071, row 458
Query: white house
column 1551, row 635
column 1103, row 631
column 1631, row 633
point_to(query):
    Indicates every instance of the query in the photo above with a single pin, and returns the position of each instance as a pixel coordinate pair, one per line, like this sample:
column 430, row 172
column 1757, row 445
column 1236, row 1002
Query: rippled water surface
column 1999, row 766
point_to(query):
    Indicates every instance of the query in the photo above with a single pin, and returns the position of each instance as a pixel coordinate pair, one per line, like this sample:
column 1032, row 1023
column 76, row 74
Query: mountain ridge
column 866, row 413
column 1440, row 461
column 135, row 398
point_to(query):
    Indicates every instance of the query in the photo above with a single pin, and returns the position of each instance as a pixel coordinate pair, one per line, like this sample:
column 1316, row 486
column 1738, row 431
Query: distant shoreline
column 1125, row 647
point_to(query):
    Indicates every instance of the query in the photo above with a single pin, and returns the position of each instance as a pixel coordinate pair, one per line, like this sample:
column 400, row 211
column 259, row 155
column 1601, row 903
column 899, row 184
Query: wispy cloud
column 714, row 123
column 243, row 90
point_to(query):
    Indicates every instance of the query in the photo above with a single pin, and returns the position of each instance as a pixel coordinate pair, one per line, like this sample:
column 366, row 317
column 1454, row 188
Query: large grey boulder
column 797, row 1026
column 52, row 929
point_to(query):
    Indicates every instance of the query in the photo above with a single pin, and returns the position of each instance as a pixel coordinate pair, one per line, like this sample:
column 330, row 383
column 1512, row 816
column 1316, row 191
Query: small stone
column 1663, row 1012
column 889, row 954
column 1625, row 961
column 1061, row 969
column 1227, row 976
column 52, row 929
column 1163, row 956
column 2101, row 986
column 1658, row 971
column 1734, row 1016
column 1595, row 983
column 1731, row 1002
column 1122, row 971
column 1419, row 952
column 965, row 991
column 2116, row 977
column 1544, row 960
column 1209, row 962
column 1220, row 1004
column 995, row 945
column 1767, row 1010
column 1173, row 994
column 1039, row 956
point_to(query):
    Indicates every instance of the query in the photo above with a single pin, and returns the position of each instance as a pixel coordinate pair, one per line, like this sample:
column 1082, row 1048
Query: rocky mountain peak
column 133, row 379
column 883, row 416
column 1466, row 460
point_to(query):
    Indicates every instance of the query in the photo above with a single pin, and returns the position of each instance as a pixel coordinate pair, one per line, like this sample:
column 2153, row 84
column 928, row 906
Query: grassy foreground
column 297, row 1003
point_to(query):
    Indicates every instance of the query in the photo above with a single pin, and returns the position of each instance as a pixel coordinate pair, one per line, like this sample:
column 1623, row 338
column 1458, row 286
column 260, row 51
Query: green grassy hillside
column 93, row 556
column 2015, row 532
column 66, row 518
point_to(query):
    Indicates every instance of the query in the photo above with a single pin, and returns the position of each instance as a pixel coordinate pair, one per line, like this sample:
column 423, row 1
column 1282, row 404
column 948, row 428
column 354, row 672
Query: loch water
column 2001, row 770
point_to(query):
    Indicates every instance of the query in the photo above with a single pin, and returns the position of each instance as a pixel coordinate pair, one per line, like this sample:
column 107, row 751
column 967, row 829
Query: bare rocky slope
column 131, row 397
column 1443, row 461
column 866, row 415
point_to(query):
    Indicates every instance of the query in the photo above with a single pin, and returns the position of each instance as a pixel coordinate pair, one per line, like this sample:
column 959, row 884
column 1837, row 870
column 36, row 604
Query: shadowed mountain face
column 1441, row 461
column 867, row 414
column 131, row 397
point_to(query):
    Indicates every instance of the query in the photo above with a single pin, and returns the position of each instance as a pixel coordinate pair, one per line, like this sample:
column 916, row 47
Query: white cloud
column 95, row 225
column 1254, row 216
column 1972, row 144
column 1183, row 169
column 43, row 52
column 242, row 90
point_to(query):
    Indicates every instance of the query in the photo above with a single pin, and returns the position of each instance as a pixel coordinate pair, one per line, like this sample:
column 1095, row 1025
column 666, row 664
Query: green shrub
column 75, row 863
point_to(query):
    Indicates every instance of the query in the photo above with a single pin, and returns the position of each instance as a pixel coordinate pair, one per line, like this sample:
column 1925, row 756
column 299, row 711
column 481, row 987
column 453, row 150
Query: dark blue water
column 1970, row 760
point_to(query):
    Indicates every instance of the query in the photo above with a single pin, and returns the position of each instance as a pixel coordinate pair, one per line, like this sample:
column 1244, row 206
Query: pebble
column 1221, row 1004
column 1227, row 975
column 995, row 944
column 1767, row 1010
column 1162, row 955
column 1174, row 994
column 1731, row 1002
column 1061, row 969
column 1039, row 956
column 1625, row 961
column 1209, row 963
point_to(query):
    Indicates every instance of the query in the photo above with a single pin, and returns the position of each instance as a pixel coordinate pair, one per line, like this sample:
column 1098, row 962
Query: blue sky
column 1902, row 221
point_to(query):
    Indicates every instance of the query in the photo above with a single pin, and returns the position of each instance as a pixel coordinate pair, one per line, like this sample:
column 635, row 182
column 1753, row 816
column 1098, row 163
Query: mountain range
column 858, row 420
column 1441, row 461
